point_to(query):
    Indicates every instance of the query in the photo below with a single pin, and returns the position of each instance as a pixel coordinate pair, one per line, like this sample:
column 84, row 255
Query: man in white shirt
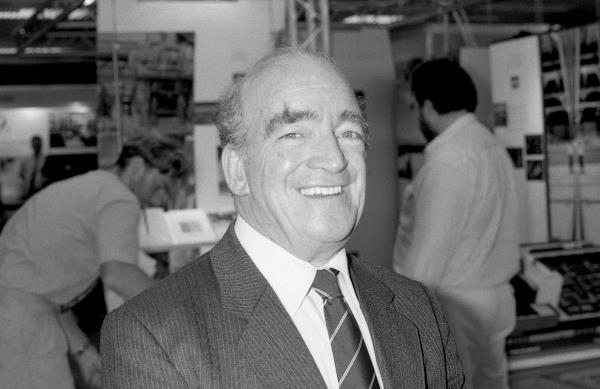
column 252, row 312
column 463, row 214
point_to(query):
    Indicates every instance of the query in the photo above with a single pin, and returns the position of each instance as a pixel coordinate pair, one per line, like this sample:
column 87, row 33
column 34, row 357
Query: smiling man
column 277, row 303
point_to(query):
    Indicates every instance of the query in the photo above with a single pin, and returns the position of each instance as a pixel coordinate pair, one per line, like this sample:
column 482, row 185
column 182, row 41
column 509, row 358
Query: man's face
column 424, row 125
column 425, row 128
column 153, row 189
column 304, row 166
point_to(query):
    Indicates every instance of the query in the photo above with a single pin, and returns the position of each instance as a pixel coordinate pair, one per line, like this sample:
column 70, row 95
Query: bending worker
column 57, row 245
column 460, row 237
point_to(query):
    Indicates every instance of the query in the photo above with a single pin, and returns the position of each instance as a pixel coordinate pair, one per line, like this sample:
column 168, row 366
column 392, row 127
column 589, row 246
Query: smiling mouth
column 320, row 191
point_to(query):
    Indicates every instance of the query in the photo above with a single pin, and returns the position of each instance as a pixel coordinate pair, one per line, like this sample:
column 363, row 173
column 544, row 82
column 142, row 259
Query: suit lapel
column 395, row 337
column 268, row 339
column 276, row 349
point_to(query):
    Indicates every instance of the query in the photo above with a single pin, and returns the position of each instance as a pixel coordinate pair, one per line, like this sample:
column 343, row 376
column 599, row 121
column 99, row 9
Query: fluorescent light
column 8, row 50
column 87, row 3
column 79, row 107
column 372, row 19
column 44, row 50
column 46, row 14
column 21, row 14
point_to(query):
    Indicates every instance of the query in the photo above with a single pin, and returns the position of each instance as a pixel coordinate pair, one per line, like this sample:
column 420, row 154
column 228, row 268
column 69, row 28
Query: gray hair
column 229, row 118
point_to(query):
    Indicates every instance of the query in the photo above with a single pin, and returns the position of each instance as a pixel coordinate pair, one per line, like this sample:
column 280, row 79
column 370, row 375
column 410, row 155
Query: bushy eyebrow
column 289, row 117
column 356, row 118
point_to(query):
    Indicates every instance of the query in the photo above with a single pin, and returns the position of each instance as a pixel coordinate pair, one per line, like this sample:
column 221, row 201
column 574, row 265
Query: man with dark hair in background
column 30, row 171
column 277, row 303
column 464, row 241
column 58, row 244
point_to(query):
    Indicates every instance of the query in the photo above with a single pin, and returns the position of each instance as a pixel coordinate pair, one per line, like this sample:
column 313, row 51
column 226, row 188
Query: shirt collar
column 289, row 276
column 450, row 131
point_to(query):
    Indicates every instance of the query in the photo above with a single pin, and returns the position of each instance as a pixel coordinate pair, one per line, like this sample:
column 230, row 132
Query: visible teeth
column 321, row 191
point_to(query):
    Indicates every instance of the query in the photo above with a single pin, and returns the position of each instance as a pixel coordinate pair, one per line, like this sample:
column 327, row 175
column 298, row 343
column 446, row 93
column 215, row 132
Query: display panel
column 571, row 99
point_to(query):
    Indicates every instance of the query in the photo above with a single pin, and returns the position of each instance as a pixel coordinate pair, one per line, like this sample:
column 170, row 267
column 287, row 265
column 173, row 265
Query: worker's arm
column 118, row 248
column 125, row 279
column 81, row 350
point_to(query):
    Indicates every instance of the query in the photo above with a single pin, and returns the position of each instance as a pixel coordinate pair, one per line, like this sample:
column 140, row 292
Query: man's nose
column 327, row 154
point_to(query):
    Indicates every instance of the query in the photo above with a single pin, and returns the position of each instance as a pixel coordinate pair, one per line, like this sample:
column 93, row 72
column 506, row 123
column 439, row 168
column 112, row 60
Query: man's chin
column 330, row 233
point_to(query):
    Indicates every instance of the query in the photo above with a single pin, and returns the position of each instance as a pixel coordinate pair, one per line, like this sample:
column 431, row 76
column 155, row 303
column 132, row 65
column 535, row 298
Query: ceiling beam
column 35, row 28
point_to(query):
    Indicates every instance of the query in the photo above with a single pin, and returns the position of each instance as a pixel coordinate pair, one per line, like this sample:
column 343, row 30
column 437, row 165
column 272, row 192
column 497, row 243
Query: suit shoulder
column 389, row 278
column 409, row 290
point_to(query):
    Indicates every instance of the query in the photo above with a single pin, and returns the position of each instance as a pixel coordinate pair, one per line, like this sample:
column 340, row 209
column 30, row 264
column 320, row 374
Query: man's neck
column 447, row 119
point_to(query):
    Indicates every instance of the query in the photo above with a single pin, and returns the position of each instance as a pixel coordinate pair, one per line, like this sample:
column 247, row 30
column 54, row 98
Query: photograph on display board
column 500, row 115
column 533, row 144
column 535, row 170
column 571, row 90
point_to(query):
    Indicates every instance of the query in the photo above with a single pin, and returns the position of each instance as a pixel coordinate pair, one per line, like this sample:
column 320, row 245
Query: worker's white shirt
column 54, row 244
column 465, row 223
column 291, row 279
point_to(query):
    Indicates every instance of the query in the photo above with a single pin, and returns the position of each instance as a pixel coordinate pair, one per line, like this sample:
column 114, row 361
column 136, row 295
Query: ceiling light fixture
column 8, row 51
column 372, row 19
column 45, row 50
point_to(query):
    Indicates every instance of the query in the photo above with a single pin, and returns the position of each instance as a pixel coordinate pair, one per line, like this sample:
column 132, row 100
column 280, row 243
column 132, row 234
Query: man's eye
column 352, row 135
column 291, row 135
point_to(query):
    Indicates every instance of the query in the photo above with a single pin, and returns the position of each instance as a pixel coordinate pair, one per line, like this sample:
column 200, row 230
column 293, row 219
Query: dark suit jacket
column 217, row 323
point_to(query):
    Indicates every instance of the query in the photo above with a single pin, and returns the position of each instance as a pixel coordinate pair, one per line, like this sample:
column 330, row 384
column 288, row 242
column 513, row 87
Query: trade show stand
column 556, row 342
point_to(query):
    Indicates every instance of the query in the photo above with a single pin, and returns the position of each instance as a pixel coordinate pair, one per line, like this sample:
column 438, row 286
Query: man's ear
column 232, row 162
column 428, row 109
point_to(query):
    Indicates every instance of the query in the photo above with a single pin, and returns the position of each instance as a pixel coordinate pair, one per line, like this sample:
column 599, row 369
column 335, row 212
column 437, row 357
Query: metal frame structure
column 308, row 21
column 316, row 32
column 39, row 34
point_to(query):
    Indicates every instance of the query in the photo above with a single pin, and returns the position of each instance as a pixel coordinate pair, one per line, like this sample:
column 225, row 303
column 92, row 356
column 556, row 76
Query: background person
column 250, row 313
column 57, row 245
column 30, row 171
column 460, row 234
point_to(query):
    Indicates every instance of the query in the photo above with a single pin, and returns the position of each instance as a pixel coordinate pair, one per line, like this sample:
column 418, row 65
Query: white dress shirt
column 291, row 279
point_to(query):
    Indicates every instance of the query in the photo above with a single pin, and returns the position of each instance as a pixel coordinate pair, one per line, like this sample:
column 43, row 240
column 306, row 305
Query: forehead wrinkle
column 288, row 116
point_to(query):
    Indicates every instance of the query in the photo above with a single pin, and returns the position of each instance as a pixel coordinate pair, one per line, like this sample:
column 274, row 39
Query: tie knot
column 326, row 284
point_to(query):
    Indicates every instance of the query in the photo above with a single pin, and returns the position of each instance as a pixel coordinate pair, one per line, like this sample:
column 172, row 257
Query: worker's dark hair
column 159, row 151
column 446, row 84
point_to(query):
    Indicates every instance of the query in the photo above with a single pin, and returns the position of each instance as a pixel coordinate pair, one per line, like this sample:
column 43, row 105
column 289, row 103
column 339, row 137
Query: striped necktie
column 352, row 361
